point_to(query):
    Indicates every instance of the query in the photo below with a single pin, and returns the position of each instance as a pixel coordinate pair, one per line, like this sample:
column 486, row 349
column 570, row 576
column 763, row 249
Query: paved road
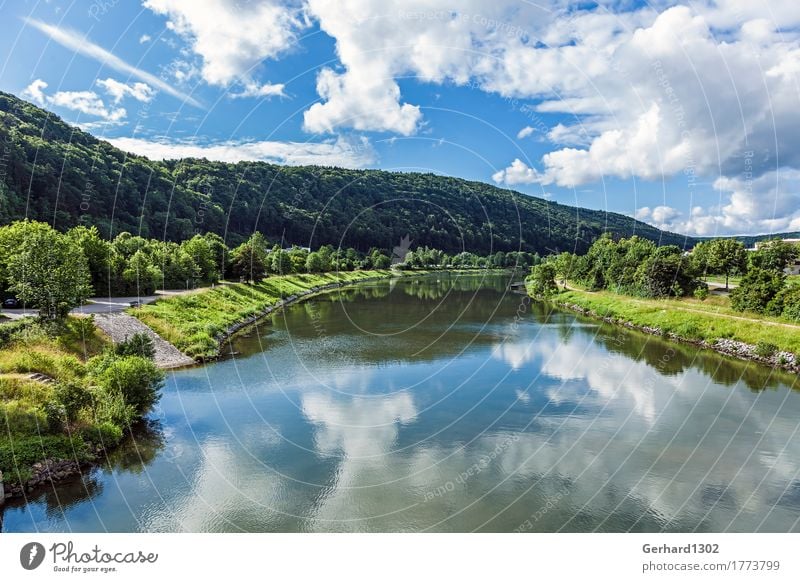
column 106, row 304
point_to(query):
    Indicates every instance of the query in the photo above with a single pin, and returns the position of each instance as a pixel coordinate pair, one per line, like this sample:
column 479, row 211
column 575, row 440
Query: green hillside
column 54, row 172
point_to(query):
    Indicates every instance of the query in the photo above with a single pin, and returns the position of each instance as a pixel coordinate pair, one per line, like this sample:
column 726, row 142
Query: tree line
column 637, row 267
column 56, row 271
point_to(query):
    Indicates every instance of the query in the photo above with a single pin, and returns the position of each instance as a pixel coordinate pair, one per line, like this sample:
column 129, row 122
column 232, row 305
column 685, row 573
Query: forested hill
column 56, row 173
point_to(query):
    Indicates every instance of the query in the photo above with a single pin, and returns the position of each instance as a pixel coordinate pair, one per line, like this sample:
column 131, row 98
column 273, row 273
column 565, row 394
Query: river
column 447, row 403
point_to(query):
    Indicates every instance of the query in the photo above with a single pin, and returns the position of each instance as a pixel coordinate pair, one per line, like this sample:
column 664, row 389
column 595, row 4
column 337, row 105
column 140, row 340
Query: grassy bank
column 193, row 323
column 66, row 395
column 690, row 319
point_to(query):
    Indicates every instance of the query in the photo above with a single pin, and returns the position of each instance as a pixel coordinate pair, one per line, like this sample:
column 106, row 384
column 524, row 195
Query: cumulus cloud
column 232, row 38
column 35, row 91
column 350, row 153
column 87, row 102
column 769, row 203
column 525, row 132
column 118, row 90
column 145, row 38
column 517, row 173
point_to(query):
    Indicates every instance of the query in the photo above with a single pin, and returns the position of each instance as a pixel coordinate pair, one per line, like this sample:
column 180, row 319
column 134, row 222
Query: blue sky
column 684, row 115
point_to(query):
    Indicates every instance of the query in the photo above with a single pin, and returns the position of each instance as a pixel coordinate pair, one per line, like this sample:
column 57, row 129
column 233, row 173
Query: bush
column 137, row 379
column 701, row 292
column 765, row 349
column 542, row 280
column 111, row 407
column 756, row 290
column 139, row 344
column 21, row 418
column 17, row 454
column 72, row 397
column 105, row 434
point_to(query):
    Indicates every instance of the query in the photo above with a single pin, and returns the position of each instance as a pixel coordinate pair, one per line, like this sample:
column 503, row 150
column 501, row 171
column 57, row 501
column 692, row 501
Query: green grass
column 689, row 318
column 193, row 322
column 82, row 406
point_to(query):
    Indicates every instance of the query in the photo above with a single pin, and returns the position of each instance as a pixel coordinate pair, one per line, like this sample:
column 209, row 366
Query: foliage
column 61, row 174
column 135, row 378
column 765, row 349
column 17, row 454
column 756, row 290
column 44, row 268
column 139, row 344
column 542, row 280
column 775, row 255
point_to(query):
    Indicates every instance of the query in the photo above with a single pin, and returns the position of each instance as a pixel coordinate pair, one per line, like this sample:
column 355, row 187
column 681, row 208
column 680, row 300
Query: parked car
column 136, row 303
column 11, row 303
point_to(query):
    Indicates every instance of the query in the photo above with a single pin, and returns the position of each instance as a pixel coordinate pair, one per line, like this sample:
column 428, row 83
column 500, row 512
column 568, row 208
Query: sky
column 685, row 115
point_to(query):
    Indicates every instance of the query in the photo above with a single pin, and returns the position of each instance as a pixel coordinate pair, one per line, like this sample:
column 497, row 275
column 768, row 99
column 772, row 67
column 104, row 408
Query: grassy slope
column 61, row 358
column 193, row 322
column 689, row 318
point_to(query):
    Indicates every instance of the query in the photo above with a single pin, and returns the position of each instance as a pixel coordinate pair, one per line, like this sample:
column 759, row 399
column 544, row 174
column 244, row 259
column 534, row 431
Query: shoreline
column 782, row 360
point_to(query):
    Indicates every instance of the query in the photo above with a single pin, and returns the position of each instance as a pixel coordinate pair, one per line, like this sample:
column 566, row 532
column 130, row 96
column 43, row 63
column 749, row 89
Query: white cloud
column 118, row 90
column 517, row 173
column 232, row 37
column 366, row 103
column 767, row 204
column 87, row 102
column 145, row 38
column 82, row 45
column 525, row 132
column 252, row 89
column 351, row 153
column 35, row 91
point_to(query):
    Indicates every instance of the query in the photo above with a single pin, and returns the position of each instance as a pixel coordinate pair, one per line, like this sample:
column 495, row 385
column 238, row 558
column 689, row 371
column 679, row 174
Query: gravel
column 121, row 326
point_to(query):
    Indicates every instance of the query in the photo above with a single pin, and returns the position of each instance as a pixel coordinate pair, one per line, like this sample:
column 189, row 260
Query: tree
column 315, row 263
column 666, row 273
column 249, row 260
column 775, row 255
column 542, row 280
column 757, row 289
column 281, row 262
column 48, row 271
column 99, row 256
column 564, row 264
column 204, row 258
column 726, row 256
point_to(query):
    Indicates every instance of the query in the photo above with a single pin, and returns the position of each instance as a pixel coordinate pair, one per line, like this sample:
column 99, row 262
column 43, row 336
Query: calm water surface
column 448, row 404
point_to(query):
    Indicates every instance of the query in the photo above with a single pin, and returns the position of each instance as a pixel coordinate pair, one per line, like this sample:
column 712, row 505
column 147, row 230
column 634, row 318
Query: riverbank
column 199, row 324
column 711, row 326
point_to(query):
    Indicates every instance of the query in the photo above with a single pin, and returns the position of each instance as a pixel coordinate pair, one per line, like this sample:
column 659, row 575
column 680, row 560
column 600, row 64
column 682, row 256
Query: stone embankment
column 121, row 326
column 743, row 351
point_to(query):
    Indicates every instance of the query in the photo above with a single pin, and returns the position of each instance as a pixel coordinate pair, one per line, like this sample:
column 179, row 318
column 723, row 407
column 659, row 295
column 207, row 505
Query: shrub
column 756, row 290
column 701, row 292
column 765, row 349
column 105, row 434
column 21, row 418
column 111, row 407
column 72, row 397
column 137, row 379
column 17, row 454
column 139, row 344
